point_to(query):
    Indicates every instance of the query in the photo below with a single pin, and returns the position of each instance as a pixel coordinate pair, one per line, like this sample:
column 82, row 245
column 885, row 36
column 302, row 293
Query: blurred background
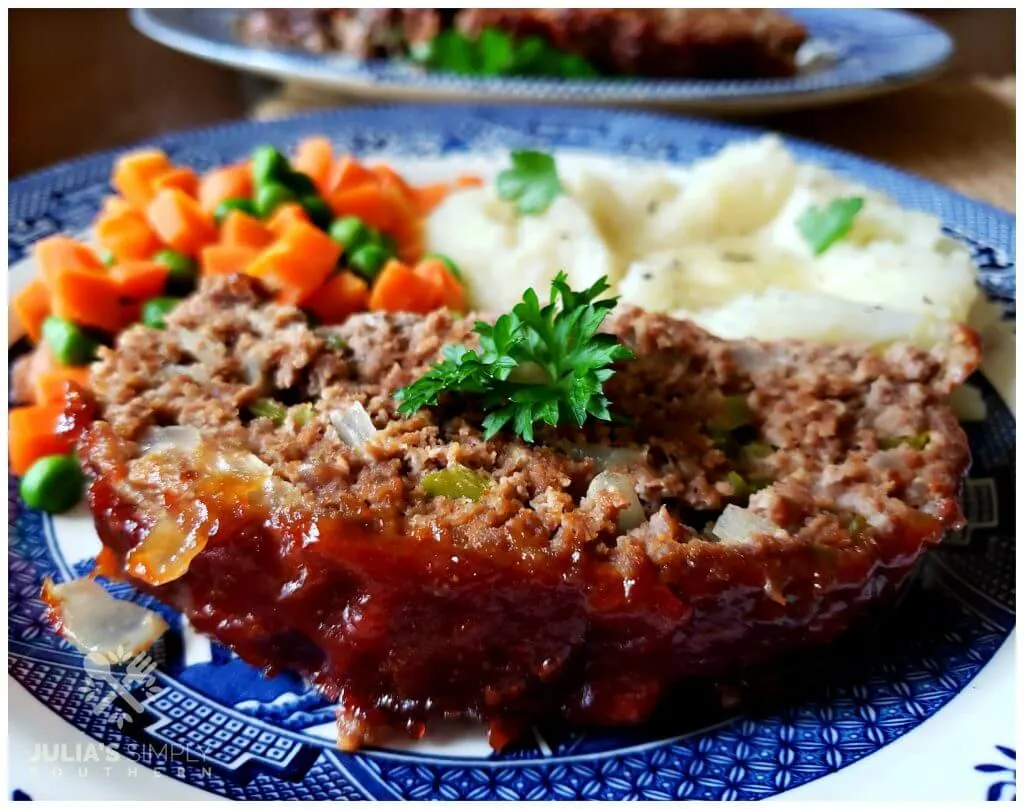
column 82, row 80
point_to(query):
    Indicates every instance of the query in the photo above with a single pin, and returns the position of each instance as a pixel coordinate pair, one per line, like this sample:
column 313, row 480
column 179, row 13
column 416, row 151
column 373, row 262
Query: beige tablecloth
column 959, row 133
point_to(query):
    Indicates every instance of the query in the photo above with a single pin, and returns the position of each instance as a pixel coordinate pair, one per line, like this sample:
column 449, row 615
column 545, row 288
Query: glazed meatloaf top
column 822, row 444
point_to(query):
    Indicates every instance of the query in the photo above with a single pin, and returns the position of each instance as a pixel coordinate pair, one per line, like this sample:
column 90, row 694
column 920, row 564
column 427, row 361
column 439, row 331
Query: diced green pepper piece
column 335, row 342
column 302, row 414
column 739, row 485
column 456, row 481
column 734, row 413
column 756, row 451
column 918, row 441
column 269, row 409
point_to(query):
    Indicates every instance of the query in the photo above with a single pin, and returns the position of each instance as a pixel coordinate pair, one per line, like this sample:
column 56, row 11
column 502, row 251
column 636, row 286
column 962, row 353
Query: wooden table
column 82, row 80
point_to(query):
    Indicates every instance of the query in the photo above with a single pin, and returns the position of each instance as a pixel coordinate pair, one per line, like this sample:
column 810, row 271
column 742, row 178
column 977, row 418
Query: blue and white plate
column 917, row 705
column 851, row 53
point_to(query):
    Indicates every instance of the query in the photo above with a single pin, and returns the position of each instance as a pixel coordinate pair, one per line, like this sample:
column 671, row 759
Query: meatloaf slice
column 756, row 498
column 666, row 42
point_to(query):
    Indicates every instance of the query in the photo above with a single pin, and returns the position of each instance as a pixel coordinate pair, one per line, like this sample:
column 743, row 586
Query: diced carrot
column 297, row 263
column 284, row 217
column 49, row 385
column 241, row 230
column 56, row 254
column 453, row 294
column 139, row 280
column 226, row 259
column 469, row 181
column 224, row 183
column 135, row 172
column 348, row 173
column 388, row 176
column 315, row 158
column 123, row 230
column 428, row 197
column 367, row 201
column 91, row 298
column 340, row 296
column 33, row 434
column 180, row 222
column 399, row 289
column 31, row 304
column 408, row 236
column 116, row 205
column 179, row 177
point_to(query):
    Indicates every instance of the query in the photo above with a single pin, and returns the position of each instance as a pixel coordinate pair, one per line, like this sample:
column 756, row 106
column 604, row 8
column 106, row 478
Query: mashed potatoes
column 718, row 243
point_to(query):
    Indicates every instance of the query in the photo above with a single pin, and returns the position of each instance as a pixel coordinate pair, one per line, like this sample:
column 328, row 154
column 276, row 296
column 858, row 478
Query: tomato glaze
column 402, row 631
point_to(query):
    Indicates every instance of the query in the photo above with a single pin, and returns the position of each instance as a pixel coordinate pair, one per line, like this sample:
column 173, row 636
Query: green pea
column 300, row 184
column 271, row 195
column 384, row 242
column 69, row 342
column 156, row 310
column 349, row 232
column 368, row 260
column 108, row 258
column 182, row 270
column 269, row 165
column 319, row 212
column 448, row 263
column 53, row 484
column 233, row 204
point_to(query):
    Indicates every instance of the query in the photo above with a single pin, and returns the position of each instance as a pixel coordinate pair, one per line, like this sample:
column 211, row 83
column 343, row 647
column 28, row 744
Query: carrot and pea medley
column 326, row 233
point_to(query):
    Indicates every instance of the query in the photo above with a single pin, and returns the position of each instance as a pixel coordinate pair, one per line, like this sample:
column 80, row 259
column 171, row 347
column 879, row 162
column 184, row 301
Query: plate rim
column 728, row 95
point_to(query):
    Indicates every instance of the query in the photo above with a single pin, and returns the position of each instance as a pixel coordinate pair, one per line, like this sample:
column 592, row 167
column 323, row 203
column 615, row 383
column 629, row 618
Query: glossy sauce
column 401, row 631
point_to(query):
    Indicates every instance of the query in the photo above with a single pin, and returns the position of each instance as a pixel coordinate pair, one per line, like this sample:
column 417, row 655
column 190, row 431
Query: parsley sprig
column 531, row 183
column 823, row 227
column 536, row 364
column 496, row 53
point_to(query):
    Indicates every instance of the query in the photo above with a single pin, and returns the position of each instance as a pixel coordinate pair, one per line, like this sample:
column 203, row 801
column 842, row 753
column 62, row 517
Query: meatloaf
column 673, row 42
column 752, row 498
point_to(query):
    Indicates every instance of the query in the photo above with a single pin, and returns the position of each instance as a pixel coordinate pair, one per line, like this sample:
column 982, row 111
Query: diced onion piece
column 741, row 525
column 201, row 347
column 353, row 425
column 200, row 373
column 95, row 622
column 633, row 514
column 160, row 439
column 968, row 404
column 166, row 552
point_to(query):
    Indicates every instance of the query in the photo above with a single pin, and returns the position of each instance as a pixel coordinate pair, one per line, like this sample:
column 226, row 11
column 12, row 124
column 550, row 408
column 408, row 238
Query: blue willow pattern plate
column 852, row 53
column 248, row 737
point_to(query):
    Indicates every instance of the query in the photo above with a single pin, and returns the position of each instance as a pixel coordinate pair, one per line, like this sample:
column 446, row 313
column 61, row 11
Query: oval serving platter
column 872, row 717
column 850, row 54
